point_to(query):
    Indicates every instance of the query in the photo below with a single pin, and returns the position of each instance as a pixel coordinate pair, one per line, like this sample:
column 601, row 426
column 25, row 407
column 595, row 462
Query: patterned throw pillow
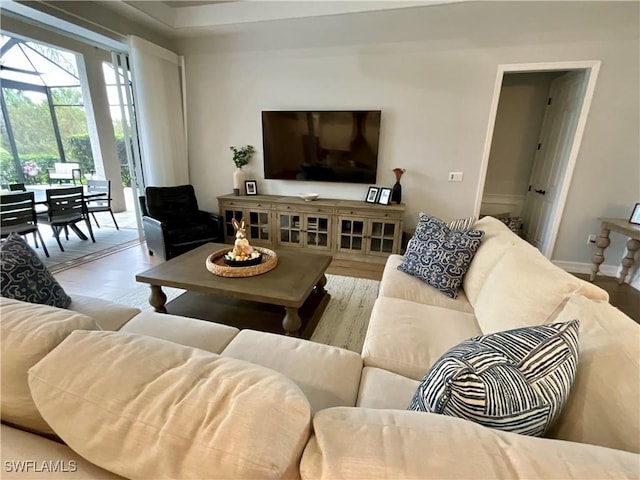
column 24, row 276
column 517, row 380
column 440, row 256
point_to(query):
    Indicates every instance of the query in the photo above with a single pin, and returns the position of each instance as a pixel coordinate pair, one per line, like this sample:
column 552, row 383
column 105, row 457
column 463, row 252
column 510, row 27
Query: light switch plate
column 455, row 176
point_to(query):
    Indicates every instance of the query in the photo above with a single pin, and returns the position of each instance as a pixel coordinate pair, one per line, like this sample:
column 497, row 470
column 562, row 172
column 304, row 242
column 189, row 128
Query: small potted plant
column 241, row 157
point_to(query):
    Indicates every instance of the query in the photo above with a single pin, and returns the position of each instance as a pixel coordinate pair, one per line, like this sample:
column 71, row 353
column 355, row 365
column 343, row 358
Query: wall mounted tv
column 323, row 146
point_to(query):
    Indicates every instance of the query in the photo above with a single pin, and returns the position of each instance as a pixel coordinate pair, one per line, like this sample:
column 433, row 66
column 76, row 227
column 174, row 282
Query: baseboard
column 580, row 267
column 607, row 270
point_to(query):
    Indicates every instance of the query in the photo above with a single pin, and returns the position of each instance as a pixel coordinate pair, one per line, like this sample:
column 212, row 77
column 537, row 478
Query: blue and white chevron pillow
column 439, row 255
column 516, row 381
column 24, row 277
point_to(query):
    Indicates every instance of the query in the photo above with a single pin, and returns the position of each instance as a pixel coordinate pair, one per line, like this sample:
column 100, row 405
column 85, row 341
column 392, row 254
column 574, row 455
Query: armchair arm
column 154, row 235
column 216, row 220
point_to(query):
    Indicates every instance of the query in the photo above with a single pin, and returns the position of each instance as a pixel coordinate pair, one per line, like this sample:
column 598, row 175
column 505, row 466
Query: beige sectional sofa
column 155, row 395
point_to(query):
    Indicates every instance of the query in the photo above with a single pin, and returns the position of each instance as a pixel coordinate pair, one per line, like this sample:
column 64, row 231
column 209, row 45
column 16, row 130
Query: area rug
column 76, row 251
column 343, row 324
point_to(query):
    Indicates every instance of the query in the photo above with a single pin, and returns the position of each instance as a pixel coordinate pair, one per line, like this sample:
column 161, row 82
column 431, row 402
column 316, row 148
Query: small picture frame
column 251, row 187
column 635, row 215
column 385, row 196
column 372, row 195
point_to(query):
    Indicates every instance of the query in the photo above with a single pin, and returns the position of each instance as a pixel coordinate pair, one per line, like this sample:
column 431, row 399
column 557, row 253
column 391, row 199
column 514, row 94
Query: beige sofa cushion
column 407, row 337
column 526, row 289
column 397, row 284
column 209, row 336
column 163, row 410
column 108, row 315
column 25, row 455
column 497, row 240
column 380, row 444
column 328, row 376
column 383, row 389
column 28, row 333
column 604, row 404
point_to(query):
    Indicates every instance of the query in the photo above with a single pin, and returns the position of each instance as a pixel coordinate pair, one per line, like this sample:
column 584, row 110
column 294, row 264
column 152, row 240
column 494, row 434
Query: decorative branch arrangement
column 242, row 155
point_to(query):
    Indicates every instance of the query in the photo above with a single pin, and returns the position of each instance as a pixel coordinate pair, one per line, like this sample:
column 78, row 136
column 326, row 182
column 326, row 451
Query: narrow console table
column 622, row 226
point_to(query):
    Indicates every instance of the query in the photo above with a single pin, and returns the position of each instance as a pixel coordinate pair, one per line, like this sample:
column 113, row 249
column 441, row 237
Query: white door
column 556, row 137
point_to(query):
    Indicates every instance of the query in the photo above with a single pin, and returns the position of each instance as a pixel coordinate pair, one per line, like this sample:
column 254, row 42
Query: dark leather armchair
column 172, row 222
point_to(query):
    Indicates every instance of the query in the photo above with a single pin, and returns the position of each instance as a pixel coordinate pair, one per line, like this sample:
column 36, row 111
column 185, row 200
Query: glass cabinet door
column 289, row 229
column 318, row 231
column 351, row 234
column 259, row 226
column 382, row 237
column 229, row 215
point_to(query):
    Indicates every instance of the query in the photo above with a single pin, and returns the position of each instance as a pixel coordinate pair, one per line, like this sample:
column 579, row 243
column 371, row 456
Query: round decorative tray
column 216, row 264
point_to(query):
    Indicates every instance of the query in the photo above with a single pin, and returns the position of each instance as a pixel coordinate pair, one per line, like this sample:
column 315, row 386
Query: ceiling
column 185, row 18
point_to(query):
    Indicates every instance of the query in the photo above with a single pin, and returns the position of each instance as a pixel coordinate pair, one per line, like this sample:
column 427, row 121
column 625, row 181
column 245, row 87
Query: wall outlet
column 455, row 176
column 591, row 238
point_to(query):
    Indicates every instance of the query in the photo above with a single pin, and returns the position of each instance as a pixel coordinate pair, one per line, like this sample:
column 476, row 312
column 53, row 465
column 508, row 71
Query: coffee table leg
column 320, row 286
column 291, row 322
column 157, row 299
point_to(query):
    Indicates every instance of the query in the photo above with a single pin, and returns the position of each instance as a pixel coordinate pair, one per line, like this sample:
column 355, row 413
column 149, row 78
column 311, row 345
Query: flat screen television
column 323, row 146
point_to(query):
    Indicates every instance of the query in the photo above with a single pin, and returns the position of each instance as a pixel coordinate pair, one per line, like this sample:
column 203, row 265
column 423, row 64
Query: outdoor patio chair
column 17, row 187
column 100, row 204
column 64, row 172
column 172, row 222
column 66, row 208
column 18, row 214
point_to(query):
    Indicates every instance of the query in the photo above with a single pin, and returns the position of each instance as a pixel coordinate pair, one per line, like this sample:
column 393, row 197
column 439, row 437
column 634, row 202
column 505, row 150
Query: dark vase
column 396, row 193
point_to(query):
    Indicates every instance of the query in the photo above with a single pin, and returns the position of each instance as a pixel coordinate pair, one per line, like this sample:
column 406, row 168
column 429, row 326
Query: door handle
column 541, row 192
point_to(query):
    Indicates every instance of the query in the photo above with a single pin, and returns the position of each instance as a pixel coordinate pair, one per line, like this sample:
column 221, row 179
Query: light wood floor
column 113, row 276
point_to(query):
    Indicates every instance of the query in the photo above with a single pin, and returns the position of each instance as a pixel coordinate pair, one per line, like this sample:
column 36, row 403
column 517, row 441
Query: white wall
column 431, row 71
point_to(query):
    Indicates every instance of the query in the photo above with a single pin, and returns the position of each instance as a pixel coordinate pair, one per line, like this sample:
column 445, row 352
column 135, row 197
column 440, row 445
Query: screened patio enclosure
column 43, row 116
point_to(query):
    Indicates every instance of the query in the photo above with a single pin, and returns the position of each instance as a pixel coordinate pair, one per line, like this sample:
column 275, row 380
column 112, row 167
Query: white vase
column 238, row 181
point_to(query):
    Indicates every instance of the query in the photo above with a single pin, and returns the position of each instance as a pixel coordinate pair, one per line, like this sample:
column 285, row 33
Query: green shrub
column 42, row 161
column 78, row 150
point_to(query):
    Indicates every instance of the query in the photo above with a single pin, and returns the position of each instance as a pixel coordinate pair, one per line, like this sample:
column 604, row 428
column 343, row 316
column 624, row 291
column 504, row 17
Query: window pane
column 67, row 96
column 31, row 121
column 8, row 172
column 72, row 123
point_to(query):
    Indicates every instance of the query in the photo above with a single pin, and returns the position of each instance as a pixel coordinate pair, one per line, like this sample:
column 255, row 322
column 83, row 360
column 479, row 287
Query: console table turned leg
column 157, row 299
column 602, row 242
column 627, row 262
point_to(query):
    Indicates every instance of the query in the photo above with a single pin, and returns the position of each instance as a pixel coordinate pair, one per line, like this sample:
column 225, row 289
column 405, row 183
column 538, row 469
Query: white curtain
column 157, row 76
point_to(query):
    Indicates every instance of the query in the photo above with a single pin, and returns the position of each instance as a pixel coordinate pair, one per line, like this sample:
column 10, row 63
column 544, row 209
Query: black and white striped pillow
column 517, row 380
column 458, row 223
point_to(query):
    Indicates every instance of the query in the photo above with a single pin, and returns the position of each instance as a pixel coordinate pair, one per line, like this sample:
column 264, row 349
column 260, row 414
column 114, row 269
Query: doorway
column 536, row 124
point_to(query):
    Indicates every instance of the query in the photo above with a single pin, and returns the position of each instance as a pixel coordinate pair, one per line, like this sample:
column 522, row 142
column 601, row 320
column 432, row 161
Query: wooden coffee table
column 290, row 284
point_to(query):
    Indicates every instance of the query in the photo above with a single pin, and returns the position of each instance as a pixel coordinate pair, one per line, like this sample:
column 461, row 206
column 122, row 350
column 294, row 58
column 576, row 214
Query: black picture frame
column 372, row 195
column 251, row 187
column 385, row 196
column 635, row 215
